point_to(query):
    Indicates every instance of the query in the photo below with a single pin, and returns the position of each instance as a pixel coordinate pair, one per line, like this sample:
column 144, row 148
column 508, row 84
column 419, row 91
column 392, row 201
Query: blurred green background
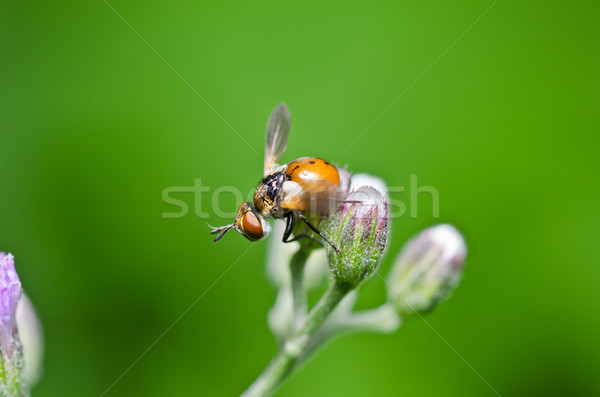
column 94, row 125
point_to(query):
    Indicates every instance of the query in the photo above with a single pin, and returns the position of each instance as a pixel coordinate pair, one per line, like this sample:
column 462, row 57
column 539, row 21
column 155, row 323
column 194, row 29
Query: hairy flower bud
column 17, row 320
column 359, row 180
column 427, row 269
column 359, row 229
column 11, row 352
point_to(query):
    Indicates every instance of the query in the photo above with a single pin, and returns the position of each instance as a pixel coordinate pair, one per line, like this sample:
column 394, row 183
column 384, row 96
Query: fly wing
column 313, row 196
column 278, row 129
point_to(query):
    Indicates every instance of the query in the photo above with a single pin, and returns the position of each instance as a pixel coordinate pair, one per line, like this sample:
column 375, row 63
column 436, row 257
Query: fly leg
column 317, row 231
column 289, row 228
column 303, row 235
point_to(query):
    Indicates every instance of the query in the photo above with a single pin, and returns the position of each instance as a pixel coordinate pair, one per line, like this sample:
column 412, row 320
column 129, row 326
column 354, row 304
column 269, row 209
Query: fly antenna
column 220, row 231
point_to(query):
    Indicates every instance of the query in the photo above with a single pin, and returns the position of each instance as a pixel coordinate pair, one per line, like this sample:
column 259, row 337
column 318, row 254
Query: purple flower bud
column 427, row 269
column 12, row 381
column 360, row 230
column 10, row 294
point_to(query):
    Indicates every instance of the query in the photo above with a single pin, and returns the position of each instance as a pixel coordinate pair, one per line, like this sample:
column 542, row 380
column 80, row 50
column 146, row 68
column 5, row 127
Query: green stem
column 297, row 264
column 292, row 349
column 381, row 320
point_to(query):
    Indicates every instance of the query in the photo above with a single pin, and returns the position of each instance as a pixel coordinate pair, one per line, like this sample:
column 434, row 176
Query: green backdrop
column 499, row 112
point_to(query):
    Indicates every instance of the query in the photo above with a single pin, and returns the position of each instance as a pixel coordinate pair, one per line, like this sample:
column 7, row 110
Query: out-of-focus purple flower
column 10, row 294
column 360, row 230
column 20, row 331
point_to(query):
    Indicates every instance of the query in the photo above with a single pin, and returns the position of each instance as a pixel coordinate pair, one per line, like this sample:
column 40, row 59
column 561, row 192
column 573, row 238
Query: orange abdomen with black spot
column 312, row 168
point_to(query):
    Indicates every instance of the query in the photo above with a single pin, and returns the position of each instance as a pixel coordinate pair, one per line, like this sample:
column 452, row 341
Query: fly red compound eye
column 251, row 226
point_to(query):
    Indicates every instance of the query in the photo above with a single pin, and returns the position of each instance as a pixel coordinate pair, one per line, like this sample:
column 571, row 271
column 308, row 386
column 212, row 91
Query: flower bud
column 359, row 180
column 11, row 352
column 20, row 334
column 359, row 229
column 427, row 269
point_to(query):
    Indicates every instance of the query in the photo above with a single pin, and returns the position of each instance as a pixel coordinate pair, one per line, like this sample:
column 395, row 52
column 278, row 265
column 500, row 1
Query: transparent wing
column 315, row 197
column 278, row 129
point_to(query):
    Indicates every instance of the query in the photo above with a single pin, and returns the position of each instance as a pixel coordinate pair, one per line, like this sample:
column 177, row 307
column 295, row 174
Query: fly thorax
column 268, row 193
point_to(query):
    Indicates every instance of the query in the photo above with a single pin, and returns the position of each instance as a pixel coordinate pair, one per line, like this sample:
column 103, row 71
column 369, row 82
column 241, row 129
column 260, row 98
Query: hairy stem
column 381, row 320
column 293, row 349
